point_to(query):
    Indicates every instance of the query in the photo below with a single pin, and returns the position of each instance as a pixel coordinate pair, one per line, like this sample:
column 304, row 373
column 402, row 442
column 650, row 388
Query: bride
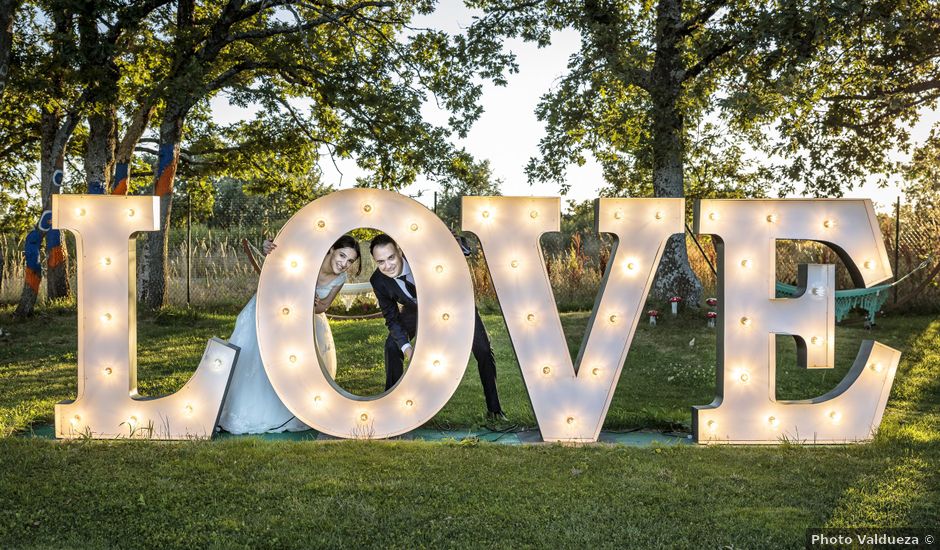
column 251, row 405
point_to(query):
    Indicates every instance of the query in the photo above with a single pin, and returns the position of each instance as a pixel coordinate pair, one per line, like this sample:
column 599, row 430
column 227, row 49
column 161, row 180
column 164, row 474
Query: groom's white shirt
column 406, row 271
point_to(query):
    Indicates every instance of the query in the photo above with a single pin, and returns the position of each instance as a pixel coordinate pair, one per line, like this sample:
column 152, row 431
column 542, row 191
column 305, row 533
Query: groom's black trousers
column 482, row 351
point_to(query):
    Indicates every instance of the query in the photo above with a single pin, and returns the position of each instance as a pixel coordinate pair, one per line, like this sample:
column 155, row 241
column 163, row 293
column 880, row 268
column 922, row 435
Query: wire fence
column 209, row 269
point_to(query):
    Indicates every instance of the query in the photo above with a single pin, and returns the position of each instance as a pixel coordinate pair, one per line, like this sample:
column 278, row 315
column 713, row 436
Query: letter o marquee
column 285, row 298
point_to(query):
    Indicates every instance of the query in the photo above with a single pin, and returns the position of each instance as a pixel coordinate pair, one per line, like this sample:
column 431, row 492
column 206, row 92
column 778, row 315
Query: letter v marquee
column 570, row 402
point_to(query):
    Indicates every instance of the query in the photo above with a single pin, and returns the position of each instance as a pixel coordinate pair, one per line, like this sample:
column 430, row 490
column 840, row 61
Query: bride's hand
column 267, row 246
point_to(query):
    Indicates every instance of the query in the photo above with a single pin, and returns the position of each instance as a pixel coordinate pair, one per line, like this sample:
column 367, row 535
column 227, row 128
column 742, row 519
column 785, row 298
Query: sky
column 508, row 132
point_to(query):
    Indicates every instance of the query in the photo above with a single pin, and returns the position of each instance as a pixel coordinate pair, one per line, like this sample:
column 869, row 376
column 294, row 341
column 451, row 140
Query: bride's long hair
column 347, row 241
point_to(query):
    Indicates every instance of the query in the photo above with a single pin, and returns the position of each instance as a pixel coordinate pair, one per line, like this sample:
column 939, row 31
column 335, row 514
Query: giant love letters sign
column 570, row 398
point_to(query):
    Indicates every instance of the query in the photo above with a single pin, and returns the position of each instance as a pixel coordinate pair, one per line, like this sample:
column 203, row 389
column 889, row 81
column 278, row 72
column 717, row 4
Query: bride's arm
column 320, row 306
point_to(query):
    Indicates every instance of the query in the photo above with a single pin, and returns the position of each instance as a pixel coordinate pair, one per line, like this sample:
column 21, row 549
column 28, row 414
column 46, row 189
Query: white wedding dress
column 251, row 405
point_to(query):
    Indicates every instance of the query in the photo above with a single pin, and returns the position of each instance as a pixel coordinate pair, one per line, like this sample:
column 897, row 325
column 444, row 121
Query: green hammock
column 869, row 299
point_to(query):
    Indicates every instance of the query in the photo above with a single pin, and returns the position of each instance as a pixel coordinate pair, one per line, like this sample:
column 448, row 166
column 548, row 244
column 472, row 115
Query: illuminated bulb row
column 485, row 214
column 774, row 422
column 618, row 215
column 81, row 212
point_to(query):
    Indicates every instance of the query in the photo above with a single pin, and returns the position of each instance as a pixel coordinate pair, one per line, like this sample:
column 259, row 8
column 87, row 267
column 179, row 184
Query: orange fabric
column 165, row 181
column 56, row 257
column 120, row 188
column 32, row 280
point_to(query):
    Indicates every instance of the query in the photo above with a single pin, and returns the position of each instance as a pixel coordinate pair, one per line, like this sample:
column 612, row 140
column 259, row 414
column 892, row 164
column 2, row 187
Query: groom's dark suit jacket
column 402, row 323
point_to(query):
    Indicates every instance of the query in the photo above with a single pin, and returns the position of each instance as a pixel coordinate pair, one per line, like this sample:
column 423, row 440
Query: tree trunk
column 99, row 152
column 57, row 260
column 125, row 149
column 50, row 175
column 7, row 11
column 674, row 276
column 152, row 269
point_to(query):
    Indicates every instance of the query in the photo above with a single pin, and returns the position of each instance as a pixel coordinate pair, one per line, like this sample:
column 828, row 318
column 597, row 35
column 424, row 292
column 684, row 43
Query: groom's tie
column 410, row 287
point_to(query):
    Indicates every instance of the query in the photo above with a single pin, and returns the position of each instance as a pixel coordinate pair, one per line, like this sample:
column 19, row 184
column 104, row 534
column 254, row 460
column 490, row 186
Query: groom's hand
column 267, row 247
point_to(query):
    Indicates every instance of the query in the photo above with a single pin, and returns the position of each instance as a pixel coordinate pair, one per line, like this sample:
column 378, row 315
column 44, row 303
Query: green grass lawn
column 252, row 492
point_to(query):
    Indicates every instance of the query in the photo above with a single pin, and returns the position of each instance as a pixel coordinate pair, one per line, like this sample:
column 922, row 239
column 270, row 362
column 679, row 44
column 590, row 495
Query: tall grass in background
column 221, row 276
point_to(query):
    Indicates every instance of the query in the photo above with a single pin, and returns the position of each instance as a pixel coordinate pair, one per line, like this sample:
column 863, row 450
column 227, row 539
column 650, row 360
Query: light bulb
column 106, row 261
column 658, row 215
column 485, row 214
column 285, row 311
column 292, row 358
column 188, row 409
column 107, row 371
column 596, row 371
column 534, row 214
column 409, row 403
column 819, row 291
column 546, row 370
column 712, row 425
column 132, row 421
column 106, row 317
column 869, row 264
column 317, row 400
column 772, row 420
column 293, row 263
column 612, row 319
column 321, row 224
column 744, row 377
column 875, row 367
column 835, row 416
column 414, row 227
column 514, row 264
column 713, row 216
column 771, row 218
column 217, row 364
column 436, row 364
column 439, row 268
column 630, row 265
column 816, row 340
column 445, row 317
column 747, row 263
column 79, row 211
column 131, row 212
column 570, row 420
column 363, row 417
column 745, row 321
column 618, row 215
column 75, row 420
column 367, row 208
column 530, row 317
column 829, row 224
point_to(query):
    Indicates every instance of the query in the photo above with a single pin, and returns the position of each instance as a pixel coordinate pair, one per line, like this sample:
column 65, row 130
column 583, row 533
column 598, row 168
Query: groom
column 394, row 285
